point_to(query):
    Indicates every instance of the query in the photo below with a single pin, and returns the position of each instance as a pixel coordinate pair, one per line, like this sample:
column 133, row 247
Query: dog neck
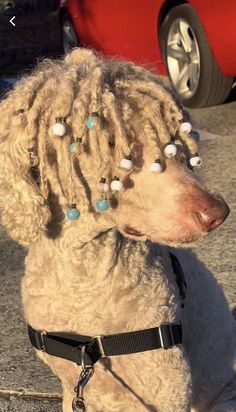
column 99, row 283
column 97, row 259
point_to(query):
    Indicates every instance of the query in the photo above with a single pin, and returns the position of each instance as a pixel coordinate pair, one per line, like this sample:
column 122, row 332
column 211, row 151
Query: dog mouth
column 185, row 241
column 133, row 232
column 180, row 241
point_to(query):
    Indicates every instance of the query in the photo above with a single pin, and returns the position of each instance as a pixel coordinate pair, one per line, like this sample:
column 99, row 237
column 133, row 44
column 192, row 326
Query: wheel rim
column 183, row 58
column 69, row 36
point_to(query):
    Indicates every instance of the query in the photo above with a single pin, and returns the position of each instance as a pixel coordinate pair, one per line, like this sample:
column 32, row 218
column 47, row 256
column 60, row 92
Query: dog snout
column 213, row 213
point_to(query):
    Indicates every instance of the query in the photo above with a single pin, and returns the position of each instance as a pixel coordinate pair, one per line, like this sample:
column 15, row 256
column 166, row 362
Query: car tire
column 181, row 33
column 69, row 37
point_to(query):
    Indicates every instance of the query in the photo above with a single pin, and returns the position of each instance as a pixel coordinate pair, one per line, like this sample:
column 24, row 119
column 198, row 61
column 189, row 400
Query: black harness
column 87, row 350
column 69, row 346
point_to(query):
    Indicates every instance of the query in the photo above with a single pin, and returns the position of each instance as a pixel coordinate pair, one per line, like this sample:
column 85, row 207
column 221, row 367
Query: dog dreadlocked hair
column 133, row 108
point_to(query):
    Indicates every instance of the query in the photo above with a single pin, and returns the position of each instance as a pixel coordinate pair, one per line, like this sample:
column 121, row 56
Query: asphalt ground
column 26, row 384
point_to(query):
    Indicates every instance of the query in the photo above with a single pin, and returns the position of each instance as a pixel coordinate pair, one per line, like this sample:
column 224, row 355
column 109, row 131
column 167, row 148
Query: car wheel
column 189, row 60
column 69, row 37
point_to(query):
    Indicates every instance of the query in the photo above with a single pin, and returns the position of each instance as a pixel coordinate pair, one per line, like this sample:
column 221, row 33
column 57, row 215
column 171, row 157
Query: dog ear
column 23, row 211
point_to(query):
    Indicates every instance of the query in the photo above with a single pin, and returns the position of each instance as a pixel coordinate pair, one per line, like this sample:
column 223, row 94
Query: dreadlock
column 131, row 107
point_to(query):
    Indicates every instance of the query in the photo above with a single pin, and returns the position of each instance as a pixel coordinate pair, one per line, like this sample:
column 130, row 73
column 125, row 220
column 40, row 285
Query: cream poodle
column 97, row 180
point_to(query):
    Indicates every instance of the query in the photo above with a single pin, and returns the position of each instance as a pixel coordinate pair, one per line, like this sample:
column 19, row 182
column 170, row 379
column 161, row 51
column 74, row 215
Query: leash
column 87, row 350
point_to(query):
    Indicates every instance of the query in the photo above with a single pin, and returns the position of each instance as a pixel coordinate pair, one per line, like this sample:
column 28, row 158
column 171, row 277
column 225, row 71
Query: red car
column 194, row 41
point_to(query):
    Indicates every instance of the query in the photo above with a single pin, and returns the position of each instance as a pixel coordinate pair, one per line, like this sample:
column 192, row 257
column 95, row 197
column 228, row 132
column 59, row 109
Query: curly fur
column 89, row 276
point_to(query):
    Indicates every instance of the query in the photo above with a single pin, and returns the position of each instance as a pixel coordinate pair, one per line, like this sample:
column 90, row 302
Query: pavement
column 26, row 384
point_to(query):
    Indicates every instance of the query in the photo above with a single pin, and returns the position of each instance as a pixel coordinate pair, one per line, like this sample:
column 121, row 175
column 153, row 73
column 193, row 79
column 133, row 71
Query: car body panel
column 114, row 28
column 129, row 29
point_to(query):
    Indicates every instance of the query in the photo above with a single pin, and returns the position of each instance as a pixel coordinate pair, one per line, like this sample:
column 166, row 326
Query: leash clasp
column 87, row 372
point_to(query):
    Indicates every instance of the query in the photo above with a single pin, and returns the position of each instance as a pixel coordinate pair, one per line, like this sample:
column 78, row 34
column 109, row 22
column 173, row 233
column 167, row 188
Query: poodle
column 97, row 181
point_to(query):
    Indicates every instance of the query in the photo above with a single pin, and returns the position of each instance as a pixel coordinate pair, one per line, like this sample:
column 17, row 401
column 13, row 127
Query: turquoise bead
column 73, row 146
column 91, row 122
column 73, row 214
column 102, row 205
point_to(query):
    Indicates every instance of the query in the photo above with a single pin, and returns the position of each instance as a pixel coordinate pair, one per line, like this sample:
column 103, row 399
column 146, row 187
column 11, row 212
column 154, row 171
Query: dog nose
column 214, row 215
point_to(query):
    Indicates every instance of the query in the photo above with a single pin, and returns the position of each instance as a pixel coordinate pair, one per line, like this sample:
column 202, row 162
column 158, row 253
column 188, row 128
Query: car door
column 122, row 28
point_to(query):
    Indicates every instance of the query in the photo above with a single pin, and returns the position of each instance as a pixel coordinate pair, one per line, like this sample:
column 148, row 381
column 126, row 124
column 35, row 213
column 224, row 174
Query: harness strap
column 69, row 346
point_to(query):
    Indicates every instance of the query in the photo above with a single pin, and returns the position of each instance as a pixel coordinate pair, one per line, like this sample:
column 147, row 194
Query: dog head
column 87, row 144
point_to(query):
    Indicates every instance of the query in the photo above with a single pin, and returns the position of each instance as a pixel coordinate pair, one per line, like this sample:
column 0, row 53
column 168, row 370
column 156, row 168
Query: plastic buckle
column 166, row 336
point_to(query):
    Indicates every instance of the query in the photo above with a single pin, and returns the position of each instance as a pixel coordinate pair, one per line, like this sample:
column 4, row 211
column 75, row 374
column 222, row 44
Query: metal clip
column 99, row 338
column 87, row 372
column 167, row 340
column 40, row 341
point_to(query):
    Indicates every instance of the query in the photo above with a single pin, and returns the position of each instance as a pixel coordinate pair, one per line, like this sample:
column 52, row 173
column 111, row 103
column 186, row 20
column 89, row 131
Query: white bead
column 186, row 127
column 59, row 129
column 156, row 167
column 126, row 164
column 105, row 187
column 116, row 185
column 34, row 160
column 170, row 150
column 195, row 161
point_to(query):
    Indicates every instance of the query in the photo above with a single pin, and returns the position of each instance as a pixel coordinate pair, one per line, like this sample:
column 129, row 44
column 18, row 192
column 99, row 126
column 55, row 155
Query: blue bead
column 91, row 122
column 73, row 214
column 73, row 146
column 102, row 205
